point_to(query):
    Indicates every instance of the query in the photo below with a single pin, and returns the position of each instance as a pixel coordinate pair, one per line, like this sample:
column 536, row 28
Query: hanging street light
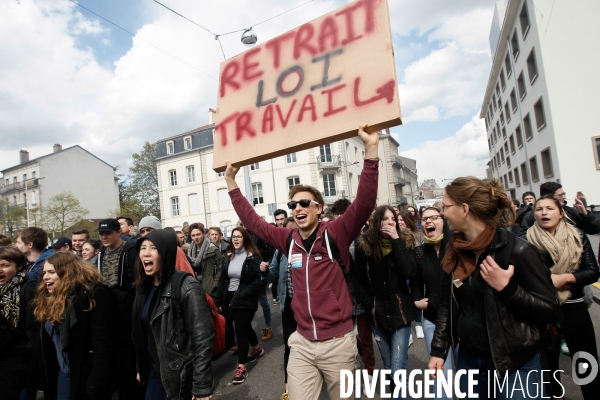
column 249, row 38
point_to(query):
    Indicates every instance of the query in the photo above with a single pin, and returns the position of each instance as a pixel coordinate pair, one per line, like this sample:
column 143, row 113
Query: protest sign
column 312, row 85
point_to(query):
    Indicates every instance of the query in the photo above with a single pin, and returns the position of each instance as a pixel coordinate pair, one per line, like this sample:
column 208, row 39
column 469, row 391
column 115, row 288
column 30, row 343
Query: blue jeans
column 517, row 378
column 428, row 328
column 29, row 393
column 63, row 390
column 154, row 389
column 264, row 303
column 393, row 347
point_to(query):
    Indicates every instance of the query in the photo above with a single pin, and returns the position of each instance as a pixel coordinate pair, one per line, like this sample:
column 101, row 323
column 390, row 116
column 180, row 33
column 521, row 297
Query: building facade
column 32, row 182
column 190, row 191
column 540, row 102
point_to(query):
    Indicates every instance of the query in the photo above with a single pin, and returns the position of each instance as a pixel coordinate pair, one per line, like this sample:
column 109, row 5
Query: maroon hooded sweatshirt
column 322, row 303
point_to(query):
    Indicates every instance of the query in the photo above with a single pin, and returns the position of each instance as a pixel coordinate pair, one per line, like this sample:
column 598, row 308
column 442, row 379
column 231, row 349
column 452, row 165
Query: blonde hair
column 486, row 200
column 71, row 270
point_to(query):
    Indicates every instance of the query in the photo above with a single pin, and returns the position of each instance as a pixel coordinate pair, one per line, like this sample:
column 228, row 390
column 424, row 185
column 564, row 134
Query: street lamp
column 249, row 38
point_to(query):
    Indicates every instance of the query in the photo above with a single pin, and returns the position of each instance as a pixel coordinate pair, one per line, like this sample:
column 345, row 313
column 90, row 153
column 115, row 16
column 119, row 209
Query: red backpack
column 220, row 326
column 218, row 320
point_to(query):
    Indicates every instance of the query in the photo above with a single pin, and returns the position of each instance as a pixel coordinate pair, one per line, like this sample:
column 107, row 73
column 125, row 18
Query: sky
column 68, row 76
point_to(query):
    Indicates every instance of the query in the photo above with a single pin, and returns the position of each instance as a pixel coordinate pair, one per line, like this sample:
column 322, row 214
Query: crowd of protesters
column 490, row 285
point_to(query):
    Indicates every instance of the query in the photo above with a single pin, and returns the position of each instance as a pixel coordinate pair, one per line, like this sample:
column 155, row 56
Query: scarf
column 434, row 241
column 195, row 254
column 564, row 247
column 386, row 246
column 10, row 297
column 459, row 255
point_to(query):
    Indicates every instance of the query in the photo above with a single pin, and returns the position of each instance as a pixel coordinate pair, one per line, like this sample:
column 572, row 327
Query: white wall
column 570, row 58
column 91, row 180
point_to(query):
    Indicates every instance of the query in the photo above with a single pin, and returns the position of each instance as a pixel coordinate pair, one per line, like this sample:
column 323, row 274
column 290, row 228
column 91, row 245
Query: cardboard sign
column 310, row 86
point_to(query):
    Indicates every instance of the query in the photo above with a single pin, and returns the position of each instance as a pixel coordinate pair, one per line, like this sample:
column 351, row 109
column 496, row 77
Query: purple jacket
column 322, row 303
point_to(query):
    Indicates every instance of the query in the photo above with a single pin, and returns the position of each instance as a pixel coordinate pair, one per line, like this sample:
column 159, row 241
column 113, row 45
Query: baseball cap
column 109, row 225
column 61, row 242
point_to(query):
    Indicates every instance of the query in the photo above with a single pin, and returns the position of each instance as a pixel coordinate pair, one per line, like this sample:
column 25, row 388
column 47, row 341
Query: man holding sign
column 323, row 343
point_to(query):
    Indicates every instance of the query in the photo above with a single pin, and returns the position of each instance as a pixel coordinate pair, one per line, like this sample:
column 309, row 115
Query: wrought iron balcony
column 329, row 161
column 11, row 187
column 331, row 196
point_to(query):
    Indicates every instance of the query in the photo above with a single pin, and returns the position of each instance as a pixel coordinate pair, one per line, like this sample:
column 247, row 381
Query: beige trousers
column 312, row 362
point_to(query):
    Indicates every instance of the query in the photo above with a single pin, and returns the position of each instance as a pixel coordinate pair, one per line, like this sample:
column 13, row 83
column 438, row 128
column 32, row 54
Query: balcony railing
column 329, row 161
column 11, row 187
column 398, row 180
column 332, row 196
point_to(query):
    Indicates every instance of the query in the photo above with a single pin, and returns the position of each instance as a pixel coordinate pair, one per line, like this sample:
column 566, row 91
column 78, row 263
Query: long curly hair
column 373, row 234
column 71, row 270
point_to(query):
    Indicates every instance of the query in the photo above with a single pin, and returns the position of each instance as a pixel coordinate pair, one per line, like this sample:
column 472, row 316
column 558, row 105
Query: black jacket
column 382, row 286
column 588, row 271
column 90, row 349
column 589, row 223
column 429, row 275
column 515, row 316
column 126, row 265
column 251, row 283
column 14, row 362
column 428, row 279
column 184, row 370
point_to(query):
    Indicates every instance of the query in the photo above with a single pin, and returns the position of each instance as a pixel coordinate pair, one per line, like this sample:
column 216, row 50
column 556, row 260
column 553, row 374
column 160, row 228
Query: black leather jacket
column 185, row 370
column 514, row 316
column 178, row 365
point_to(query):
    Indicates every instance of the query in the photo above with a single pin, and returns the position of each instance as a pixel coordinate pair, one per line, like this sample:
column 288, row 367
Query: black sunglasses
column 303, row 203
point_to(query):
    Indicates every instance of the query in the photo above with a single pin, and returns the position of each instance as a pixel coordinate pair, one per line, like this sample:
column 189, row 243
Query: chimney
column 212, row 115
column 23, row 156
column 56, row 148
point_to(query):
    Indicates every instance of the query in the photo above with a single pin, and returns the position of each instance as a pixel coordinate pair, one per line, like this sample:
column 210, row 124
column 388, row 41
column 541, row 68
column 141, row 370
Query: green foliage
column 13, row 218
column 61, row 212
column 138, row 194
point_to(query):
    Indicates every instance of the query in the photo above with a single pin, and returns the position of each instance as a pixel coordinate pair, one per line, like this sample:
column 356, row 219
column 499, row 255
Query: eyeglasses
column 432, row 218
column 563, row 194
column 446, row 206
column 303, row 203
column 236, row 237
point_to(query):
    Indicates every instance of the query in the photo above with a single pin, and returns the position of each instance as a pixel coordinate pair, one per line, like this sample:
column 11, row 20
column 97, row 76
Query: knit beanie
column 150, row 222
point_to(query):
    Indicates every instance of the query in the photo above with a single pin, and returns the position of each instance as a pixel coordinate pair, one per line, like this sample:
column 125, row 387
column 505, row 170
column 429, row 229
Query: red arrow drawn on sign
column 385, row 91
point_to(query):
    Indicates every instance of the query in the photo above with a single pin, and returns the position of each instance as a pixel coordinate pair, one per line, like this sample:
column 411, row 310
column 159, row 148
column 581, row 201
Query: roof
column 53, row 154
column 188, row 132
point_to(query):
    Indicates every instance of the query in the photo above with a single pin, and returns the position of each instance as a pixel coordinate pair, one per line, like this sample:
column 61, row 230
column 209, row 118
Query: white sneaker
column 410, row 340
column 419, row 330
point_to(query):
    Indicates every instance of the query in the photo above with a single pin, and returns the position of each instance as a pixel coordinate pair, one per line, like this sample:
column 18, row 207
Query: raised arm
column 276, row 237
column 359, row 211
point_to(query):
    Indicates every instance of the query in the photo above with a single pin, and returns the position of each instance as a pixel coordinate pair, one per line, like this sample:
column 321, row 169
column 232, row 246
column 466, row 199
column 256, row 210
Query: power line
column 217, row 35
column 183, row 16
column 291, row 9
column 143, row 40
